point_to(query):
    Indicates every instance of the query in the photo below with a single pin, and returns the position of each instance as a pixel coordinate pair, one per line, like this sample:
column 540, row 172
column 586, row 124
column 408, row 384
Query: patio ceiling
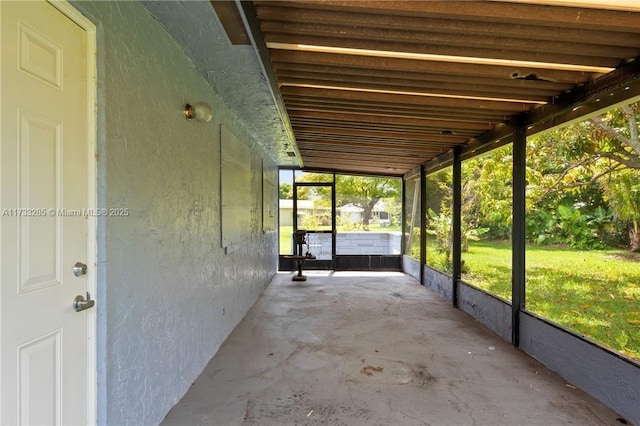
column 381, row 87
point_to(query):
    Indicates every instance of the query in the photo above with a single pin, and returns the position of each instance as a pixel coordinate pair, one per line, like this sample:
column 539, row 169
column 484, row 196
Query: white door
column 43, row 230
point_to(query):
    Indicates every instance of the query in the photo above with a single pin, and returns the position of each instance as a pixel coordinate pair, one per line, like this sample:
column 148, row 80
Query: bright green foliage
column 575, row 227
column 623, row 193
column 581, row 166
column 286, row 191
column 440, row 226
column 487, row 192
column 438, row 217
column 412, row 219
column 582, row 196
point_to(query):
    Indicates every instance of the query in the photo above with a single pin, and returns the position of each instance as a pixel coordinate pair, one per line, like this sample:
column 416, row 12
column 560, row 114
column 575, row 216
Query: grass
column 285, row 239
column 595, row 292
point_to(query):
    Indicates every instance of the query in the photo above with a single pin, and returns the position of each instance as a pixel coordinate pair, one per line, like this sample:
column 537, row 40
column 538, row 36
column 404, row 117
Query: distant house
column 350, row 213
column 286, row 211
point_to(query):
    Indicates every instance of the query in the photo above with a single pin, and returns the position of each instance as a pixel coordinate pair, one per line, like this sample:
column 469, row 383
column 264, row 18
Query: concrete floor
column 373, row 349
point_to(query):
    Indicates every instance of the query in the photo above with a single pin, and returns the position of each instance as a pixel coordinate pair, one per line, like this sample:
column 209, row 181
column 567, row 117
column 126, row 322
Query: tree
column 615, row 137
column 365, row 192
column 286, row 191
column 581, row 154
column 568, row 165
column 623, row 192
column 487, row 191
column 362, row 191
column 568, row 172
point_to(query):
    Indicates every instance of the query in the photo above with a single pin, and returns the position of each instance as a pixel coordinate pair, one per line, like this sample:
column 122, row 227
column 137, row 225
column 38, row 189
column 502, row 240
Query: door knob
column 80, row 303
column 79, row 269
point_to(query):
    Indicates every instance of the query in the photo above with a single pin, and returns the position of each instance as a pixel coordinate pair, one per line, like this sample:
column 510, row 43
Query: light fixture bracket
column 200, row 111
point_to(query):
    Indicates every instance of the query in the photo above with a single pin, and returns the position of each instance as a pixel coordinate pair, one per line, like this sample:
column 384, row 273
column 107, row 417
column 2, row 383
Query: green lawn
column 595, row 293
column 285, row 239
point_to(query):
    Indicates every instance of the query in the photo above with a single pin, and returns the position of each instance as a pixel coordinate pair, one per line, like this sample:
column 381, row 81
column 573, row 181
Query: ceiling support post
column 423, row 222
column 456, row 224
column 518, row 232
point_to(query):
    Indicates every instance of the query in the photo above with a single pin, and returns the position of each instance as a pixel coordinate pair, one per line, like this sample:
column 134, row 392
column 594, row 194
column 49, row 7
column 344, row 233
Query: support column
column 456, row 224
column 334, row 223
column 423, row 222
column 518, row 232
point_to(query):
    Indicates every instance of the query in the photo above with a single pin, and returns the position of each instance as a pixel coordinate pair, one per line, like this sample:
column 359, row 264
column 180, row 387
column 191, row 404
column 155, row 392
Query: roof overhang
column 381, row 87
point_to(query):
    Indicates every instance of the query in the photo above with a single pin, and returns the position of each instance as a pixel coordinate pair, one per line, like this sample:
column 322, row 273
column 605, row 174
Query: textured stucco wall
column 438, row 282
column 238, row 78
column 168, row 295
column 609, row 378
column 411, row 267
column 491, row 311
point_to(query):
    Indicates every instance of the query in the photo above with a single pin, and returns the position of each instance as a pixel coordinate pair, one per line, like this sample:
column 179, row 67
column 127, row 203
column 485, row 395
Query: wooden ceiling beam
column 377, row 147
column 471, row 116
column 427, row 38
column 434, row 89
column 330, row 124
column 410, row 65
column 354, row 150
column 498, row 12
column 304, row 108
column 387, row 158
column 609, row 56
column 370, row 166
column 372, row 160
column 504, row 82
column 286, row 77
column 370, row 142
column 366, row 171
column 401, row 121
column 231, row 21
column 374, row 143
column 380, row 135
column 364, row 164
column 402, row 99
column 270, row 11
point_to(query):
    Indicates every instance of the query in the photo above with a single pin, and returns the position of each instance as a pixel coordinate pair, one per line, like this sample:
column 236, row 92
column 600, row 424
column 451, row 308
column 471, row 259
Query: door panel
column 43, row 186
column 39, row 238
column 314, row 213
column 40, row 381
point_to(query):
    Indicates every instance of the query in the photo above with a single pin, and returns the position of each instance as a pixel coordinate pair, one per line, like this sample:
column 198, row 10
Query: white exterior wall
column 168, row 295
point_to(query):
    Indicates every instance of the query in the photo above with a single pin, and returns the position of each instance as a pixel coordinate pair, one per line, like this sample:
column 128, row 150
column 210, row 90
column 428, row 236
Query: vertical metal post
column 403, row 219
column 518, row 232
column 456, row 224
column 295, row 213
column 334, row 232
column 423, row 222
column 295, row 205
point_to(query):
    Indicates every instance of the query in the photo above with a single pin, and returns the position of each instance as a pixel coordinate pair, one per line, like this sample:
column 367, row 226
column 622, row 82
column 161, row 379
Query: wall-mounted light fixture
column 200, row 111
